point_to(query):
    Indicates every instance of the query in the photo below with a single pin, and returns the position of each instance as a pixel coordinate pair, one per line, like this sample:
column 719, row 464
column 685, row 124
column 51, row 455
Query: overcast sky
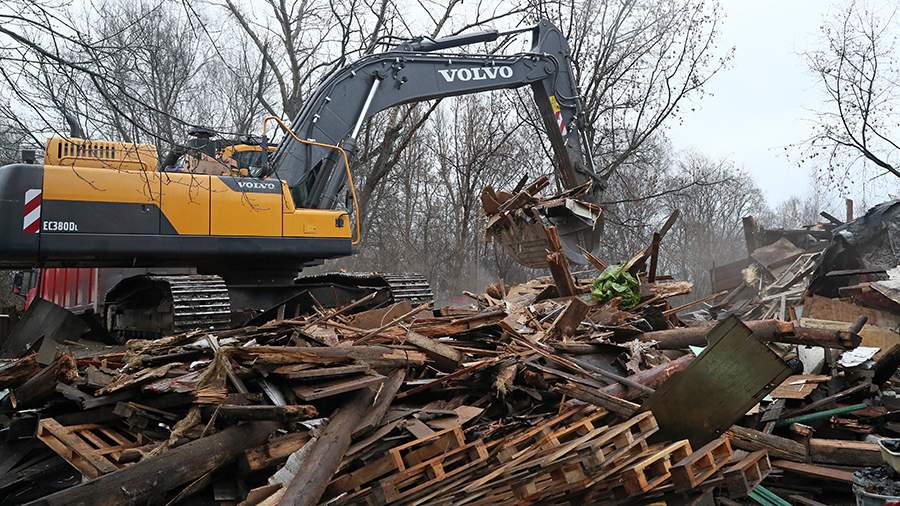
column 762, row 102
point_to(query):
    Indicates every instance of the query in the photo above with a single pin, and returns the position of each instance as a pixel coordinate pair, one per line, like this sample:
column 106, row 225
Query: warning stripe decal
column 557, row 111
column 31, row 221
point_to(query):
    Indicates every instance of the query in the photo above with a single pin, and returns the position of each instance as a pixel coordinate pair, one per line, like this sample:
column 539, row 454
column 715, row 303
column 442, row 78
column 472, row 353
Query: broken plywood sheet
column 776, row 257
column 375, row 318
column 823, row 308
column 872, row 336
column 890, row 288
column 798, row 386
column 716, row 390
column 315, row 391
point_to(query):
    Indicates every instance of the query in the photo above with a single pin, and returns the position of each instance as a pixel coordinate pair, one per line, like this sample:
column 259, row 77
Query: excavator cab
column 250, row 159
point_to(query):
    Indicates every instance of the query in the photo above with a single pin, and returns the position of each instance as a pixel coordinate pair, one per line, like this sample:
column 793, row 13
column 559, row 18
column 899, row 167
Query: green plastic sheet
column 614, row 282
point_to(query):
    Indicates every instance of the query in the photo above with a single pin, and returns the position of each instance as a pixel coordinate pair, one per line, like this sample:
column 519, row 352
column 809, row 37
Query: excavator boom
column 335, row 113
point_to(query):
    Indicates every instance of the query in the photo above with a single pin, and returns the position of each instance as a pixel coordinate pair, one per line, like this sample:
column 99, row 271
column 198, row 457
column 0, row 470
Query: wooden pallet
column 743, row 477
column 604, row 441
column 536, row 435
column 584, row 425
column 703, row 463
column 398, row 459
column 422, row 476
column 415, row 452
column 559, row 480
column 653, row 470
column 620, row 440
column 91, row 448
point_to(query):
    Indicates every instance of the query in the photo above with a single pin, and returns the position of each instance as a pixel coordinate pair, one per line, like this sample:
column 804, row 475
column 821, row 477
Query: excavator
column 245, row 233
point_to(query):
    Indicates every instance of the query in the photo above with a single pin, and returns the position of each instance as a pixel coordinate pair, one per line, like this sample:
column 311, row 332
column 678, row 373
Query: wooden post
column 559, row 265
column 750, row 230
column 777, row 446
column 654, row 257
column 765, row 330
column 849, row 204
column 323, row 456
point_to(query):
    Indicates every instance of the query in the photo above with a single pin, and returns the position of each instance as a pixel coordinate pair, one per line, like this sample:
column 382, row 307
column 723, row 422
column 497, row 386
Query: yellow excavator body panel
column 186, row 202
column 134, row 202
column 245, row 206
column 98, row 154
column 91, row 184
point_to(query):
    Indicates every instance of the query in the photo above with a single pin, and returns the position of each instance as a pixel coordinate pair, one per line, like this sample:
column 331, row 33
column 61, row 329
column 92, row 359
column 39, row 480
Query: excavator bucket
column 519, row 222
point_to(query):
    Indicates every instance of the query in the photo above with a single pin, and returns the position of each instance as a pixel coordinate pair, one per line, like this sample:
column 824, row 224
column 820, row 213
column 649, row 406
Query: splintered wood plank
column 330, row 388
column 445, row 357
column 304, row 371
column 566, row 324
column 821, row 472
column 273, row 451
column 715, row 390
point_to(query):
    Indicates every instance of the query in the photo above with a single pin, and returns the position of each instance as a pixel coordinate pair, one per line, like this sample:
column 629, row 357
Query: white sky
column 762, row 102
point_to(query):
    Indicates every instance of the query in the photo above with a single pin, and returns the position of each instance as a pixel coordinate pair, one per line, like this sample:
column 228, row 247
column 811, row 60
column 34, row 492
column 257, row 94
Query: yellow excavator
column 246, row 217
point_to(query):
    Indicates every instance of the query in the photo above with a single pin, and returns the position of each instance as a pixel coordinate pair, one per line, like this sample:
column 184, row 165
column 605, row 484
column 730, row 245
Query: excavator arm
column 414, row 72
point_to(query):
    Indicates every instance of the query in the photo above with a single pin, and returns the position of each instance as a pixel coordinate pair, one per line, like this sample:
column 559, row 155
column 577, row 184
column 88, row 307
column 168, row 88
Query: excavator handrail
column 353, row 240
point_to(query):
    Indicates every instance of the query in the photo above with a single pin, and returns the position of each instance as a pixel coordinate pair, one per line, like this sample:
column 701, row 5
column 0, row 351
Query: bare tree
column 857, row 69
column 709, row 231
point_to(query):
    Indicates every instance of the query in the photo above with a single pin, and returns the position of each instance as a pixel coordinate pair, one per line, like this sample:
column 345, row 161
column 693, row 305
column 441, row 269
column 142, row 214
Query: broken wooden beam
column 598, row 398
column 383, row 398
column 778, row 447
column 375, row 356
column 314, row 391
column 844, row 453
column 273, row 451
column 566, row 324
column 649, row 378
column 444, row 357
column 559, row 265
column 826, row 401
column 764, row 330
column 814, row 471
column 278, row 413
column 322, row 456
column 43, row 384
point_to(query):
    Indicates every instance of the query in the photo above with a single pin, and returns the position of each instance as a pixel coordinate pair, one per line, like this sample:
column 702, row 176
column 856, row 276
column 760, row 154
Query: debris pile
column 545, row 392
